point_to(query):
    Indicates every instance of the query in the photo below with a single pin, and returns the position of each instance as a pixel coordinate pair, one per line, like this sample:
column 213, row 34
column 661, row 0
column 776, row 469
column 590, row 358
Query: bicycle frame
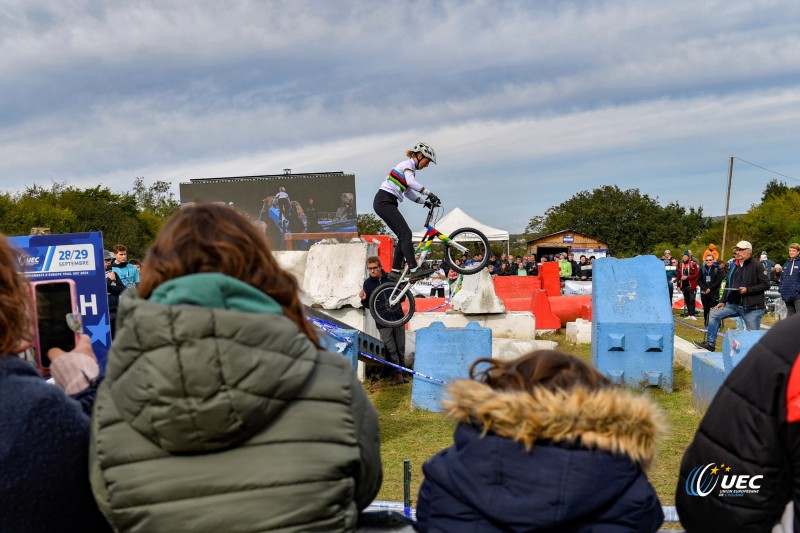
column 423, row 248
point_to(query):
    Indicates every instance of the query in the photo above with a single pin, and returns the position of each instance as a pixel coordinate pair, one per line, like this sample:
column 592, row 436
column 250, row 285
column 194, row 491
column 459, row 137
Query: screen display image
column 54, row 301
column 294, row 210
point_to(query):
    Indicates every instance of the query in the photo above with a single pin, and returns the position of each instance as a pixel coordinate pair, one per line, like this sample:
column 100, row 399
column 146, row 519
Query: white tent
column 456, row 219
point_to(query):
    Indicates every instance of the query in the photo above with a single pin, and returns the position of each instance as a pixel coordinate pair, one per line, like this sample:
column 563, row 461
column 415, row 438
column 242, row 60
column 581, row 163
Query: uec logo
column 698, row 484
column 701, row 481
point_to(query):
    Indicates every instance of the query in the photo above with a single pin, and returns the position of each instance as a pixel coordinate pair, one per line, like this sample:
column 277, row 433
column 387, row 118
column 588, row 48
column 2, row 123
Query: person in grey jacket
column 219, row 410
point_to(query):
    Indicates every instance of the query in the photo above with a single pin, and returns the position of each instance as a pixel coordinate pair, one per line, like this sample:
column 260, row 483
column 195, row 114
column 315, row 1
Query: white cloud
column 512, row 94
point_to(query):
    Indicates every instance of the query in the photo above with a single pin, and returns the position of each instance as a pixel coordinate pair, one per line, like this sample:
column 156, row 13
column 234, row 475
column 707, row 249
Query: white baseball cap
column 743, row 245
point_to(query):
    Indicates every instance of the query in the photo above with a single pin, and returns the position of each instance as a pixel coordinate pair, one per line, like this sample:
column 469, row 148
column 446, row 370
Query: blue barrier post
column 710, row 369
column 632, row 327
column 446, row 353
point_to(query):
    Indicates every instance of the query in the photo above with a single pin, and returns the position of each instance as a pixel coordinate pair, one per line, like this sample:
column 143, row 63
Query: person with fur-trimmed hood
column 543, row 443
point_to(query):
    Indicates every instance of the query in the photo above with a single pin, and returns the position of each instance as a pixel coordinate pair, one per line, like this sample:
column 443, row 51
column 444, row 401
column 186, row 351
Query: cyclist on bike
column 282, row 203
column 401, row 182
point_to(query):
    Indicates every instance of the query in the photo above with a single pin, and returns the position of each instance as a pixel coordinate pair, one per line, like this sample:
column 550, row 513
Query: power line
column 764, row 168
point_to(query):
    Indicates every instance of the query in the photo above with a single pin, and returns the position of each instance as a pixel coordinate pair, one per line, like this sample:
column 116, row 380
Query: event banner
column 576, row 287
column 293, row 209
column 77, row 257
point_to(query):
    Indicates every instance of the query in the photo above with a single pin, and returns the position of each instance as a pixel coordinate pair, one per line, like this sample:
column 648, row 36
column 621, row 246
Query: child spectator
column 790, row 280
column 543, row 442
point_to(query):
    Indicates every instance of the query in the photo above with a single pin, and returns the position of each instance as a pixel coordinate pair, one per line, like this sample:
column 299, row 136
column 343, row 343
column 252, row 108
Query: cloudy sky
column 526, row 103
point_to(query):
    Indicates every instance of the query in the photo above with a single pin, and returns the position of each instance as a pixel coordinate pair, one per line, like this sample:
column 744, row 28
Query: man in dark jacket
column 394, row 339
column 744, row 295
column 740, row 476
column 709, row 279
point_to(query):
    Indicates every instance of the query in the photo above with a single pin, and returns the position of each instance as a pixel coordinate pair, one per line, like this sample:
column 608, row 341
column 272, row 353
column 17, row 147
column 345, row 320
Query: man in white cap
column 768, row 266
column 743, row 297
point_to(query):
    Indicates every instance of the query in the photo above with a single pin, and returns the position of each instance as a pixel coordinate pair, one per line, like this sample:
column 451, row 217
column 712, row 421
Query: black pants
column 437, row 291
column 709, row 300
column 394, row 339
column 385, row 206
column 689, row 296
column 792, row 307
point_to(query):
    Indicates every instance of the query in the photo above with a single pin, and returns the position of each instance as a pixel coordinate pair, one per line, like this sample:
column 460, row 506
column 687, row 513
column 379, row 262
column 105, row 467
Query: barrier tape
column 670, row 512
column 719, row 333
column 402, row 368
column 331, row 329
column 698, row 328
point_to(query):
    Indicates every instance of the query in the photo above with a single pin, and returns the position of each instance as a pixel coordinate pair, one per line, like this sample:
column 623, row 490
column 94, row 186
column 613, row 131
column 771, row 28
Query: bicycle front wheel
column 474, row 242
column 386, row 314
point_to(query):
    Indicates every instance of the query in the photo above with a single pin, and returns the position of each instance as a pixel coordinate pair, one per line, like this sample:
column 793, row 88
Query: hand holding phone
column 57, row 321
column 84, row 345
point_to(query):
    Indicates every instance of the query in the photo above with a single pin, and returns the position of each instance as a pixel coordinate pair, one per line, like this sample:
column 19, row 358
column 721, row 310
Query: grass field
column 416, row 435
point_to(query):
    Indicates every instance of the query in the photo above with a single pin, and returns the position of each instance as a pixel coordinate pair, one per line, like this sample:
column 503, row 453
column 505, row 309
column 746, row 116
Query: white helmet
column 425, row 150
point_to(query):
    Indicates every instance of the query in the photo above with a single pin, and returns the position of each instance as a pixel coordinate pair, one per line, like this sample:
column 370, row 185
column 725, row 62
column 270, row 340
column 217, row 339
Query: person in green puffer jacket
column 219, row 410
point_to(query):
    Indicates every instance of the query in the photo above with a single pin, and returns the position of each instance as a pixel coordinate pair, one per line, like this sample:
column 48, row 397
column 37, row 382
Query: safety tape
column 331, row 329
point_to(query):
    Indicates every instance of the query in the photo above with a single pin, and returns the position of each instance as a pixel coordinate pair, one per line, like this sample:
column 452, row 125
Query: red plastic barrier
column 517, row 304
column 681, row 303
column 516, row 286
column 568, row 308
column 540, row 304
column 426, row 304
column 586, row 312
column 385, row 249
column 551, row 280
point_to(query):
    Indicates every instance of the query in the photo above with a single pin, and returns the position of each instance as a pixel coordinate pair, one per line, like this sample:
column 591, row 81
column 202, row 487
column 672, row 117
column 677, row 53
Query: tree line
column 633, row 223
column 629, row 221
column 133, row 217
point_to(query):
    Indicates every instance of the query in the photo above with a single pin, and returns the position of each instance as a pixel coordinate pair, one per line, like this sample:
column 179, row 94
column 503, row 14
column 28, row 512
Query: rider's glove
column 433, row 199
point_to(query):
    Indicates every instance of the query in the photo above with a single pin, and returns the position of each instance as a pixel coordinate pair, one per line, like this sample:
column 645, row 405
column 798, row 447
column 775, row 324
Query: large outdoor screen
column 294, row 210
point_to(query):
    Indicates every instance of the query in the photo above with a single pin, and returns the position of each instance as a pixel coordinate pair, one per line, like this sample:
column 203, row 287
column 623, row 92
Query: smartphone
column 53, row 301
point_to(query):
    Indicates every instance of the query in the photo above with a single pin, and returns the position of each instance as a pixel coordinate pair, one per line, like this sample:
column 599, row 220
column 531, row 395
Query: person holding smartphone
column 44, row 440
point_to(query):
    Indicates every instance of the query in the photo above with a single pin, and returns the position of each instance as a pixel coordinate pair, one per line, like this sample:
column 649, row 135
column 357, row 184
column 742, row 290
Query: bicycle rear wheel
column 475, row 242
column 388, row 315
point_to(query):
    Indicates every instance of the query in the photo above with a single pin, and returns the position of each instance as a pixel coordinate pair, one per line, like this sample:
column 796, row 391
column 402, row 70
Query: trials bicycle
column 386, row 303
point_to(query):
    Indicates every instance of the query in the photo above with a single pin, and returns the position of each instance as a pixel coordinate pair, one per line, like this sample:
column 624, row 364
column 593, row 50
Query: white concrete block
column 294, row 263
column 511, row 325
column 683, row 352
column 477, row 296
column 505, row 349
column 349, row 315
column 335, row 273
column 580, row 331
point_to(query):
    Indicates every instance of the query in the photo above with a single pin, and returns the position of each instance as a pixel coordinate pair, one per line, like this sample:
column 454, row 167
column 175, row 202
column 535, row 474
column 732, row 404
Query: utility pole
column 727, row 205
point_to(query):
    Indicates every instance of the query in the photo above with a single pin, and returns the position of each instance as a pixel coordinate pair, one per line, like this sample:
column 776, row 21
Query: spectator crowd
column 219, row 410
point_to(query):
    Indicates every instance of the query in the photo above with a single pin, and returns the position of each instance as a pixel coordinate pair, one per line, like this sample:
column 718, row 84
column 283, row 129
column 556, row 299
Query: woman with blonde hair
column 543, row 442
column 44, row 433
column 220, row 411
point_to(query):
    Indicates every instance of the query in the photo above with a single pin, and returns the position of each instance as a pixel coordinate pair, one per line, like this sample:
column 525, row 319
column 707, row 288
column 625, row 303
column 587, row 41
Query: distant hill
column 722, row 217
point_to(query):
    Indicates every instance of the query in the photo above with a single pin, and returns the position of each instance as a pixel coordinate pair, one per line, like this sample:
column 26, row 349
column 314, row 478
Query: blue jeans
column 752, row 319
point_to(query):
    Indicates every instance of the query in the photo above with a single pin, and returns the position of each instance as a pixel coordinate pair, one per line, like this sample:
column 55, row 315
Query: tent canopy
column 456, row 219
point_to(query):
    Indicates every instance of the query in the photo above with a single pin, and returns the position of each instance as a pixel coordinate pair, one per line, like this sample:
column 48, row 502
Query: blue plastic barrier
column 709, row 369
column 632, row 327
column 345, row 342
column 446, row 353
